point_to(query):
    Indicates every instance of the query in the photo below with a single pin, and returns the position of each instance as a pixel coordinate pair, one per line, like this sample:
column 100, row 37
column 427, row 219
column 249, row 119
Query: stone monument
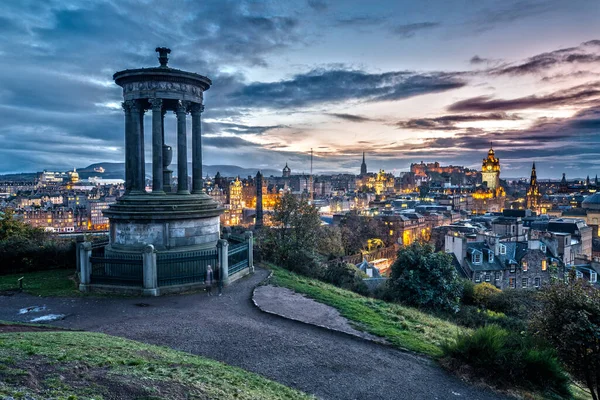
column 170, row 219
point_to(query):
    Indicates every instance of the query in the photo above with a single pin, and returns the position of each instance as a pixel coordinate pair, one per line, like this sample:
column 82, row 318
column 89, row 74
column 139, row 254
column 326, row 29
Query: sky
column 403, row 81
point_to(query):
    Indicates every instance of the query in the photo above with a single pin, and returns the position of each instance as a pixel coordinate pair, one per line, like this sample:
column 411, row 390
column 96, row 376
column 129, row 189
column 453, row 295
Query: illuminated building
column 97, row 219
column 490, row 196
column 55, row 220
column 236, row 203
column 534, row 196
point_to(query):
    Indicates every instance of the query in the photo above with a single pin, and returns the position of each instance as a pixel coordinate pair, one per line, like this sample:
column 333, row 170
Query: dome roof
column 592, row 202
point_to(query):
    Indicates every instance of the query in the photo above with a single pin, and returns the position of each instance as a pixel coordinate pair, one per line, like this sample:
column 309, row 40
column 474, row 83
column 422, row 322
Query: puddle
column 49, row 317
column 32, row 309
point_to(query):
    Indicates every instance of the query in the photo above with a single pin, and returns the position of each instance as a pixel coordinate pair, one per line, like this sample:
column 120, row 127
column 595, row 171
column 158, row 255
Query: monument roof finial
column 163, row 57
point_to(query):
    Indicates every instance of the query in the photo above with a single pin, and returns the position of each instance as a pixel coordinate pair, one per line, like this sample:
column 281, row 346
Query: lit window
column 524, row 265
column 511, row 282
column 524, row 283
column 544, row 265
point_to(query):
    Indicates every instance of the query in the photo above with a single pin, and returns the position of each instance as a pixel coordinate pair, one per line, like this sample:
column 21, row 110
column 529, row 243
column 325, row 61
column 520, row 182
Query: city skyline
column 433, row 81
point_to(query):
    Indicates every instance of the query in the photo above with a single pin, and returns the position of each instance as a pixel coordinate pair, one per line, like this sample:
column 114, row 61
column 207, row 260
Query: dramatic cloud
column 584, row 54
column 478, row 60
column 572, row 96
column 448, row 122
column 352, row 117
column 321, row 86
column 409, row 30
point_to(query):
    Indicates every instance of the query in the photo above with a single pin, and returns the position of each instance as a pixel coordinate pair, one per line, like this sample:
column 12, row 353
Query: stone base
column 169, row 222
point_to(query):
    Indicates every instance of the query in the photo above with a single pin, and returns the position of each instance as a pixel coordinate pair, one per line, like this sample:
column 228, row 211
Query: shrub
column 20, row 254
column 483, row 292
column 423, row 278
column 570, row 320
column 468, row 292
column 503, row 357
column 519, row 303
column 346, row 276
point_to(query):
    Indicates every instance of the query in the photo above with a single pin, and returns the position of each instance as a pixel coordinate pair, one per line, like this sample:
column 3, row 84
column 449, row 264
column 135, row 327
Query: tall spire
column 363, row 166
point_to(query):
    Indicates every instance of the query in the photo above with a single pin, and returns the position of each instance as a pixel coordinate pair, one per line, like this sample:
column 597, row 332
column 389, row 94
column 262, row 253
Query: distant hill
column 117, row 170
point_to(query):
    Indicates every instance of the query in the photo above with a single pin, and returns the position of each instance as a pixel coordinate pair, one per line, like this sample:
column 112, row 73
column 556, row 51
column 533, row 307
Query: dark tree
column 423, row 278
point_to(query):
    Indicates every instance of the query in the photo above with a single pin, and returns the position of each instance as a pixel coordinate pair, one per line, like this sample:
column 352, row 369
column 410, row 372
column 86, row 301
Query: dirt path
column 231, row 329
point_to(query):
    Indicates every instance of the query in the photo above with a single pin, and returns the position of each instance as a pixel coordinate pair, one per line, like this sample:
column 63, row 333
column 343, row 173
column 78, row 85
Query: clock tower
column 490, row 170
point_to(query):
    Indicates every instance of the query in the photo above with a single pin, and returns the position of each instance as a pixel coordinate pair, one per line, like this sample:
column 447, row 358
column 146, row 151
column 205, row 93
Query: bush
column 423, row 278
column 483, row 292
column 346, row 276
column 468, row 292
column 503, row 357
column 20, row 254
column 570, row 320
column 519, row 303
column 474, row 317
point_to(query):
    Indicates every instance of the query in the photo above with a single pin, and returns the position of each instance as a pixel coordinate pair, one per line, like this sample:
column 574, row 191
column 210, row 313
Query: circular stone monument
column 171, row 219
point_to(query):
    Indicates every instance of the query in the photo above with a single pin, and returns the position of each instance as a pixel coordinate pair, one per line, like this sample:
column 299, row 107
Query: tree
column 423, row 278
column 11, row 228
column 292, row 242
column 483, row 292
column 357, row 230
column 329, row 242
column 570, row 320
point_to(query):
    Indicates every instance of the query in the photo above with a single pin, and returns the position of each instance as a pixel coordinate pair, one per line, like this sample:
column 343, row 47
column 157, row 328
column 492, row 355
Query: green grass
column 56, row 282
column 77, row 365
column 404, row 327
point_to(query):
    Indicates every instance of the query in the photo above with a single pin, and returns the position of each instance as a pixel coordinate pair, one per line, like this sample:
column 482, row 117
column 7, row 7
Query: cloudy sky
column 405, row 81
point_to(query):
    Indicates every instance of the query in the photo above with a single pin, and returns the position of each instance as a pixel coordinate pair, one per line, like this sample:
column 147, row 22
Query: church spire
column 363, row 166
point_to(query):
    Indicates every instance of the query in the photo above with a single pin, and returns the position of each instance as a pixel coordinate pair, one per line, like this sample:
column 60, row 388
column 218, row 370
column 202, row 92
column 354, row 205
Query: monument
column 164, row 239
column 171, row 220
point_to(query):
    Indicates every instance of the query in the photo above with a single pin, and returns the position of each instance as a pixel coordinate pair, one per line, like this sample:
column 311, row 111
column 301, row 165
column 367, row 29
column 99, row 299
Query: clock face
column 489, row 167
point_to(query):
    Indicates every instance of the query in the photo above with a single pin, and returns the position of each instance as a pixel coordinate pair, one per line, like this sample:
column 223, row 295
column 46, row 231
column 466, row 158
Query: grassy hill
column 83, row 365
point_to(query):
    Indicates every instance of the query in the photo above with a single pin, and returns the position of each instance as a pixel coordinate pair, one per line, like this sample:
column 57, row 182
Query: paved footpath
column 330, row 365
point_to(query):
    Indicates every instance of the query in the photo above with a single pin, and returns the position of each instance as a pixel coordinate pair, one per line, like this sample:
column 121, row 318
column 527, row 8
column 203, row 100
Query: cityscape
column 318, row 200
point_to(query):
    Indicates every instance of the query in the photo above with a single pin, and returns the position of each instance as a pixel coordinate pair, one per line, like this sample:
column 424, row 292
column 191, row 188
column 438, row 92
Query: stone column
column 223, row 256
column 182, row 167
column 197, row 148
column 141, row 149
column 129, row 147
column 85, row 271
column 157, row 147
column 150, row 273
column 250, row 241
column 135, row 148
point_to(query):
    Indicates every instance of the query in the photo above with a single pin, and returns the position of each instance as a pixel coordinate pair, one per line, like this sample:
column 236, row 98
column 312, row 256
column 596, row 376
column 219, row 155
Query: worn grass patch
column 404, row 327
column 76, row 365
column 56, row 282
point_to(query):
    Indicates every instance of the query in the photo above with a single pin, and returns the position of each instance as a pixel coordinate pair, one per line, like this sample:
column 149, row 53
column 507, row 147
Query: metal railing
column 121, row 270
column 237, row 257
column 183, row 268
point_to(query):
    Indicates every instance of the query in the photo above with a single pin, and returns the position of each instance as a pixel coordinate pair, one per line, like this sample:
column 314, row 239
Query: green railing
column 234, row 239
column 119, row 270
column 188, row 267
column 237, row 257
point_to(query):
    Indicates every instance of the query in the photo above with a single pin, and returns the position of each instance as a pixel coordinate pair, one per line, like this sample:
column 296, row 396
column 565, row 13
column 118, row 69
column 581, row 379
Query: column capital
column 197, row 108
column 131, row 106
column 156, row 104
column 182, row 107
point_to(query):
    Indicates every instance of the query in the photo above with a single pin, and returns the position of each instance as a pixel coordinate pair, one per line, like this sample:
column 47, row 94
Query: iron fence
column 188, row 267
column 119, row 270
column 237, row 257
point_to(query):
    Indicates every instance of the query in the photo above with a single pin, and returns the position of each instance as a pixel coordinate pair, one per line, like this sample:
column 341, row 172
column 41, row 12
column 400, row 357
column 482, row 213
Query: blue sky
column 404, row 81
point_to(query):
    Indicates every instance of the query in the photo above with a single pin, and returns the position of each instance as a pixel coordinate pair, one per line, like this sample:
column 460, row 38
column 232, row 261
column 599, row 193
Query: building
column 490, row 196
column 534, row 197
column 363, row 166
column 287, row 172
column 59, row 219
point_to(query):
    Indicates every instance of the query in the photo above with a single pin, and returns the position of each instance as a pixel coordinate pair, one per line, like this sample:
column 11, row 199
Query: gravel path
column 231, row 329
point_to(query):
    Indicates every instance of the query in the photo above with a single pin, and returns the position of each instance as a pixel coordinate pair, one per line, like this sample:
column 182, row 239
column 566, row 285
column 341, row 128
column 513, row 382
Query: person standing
column 219, row 280
column 209, row 280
